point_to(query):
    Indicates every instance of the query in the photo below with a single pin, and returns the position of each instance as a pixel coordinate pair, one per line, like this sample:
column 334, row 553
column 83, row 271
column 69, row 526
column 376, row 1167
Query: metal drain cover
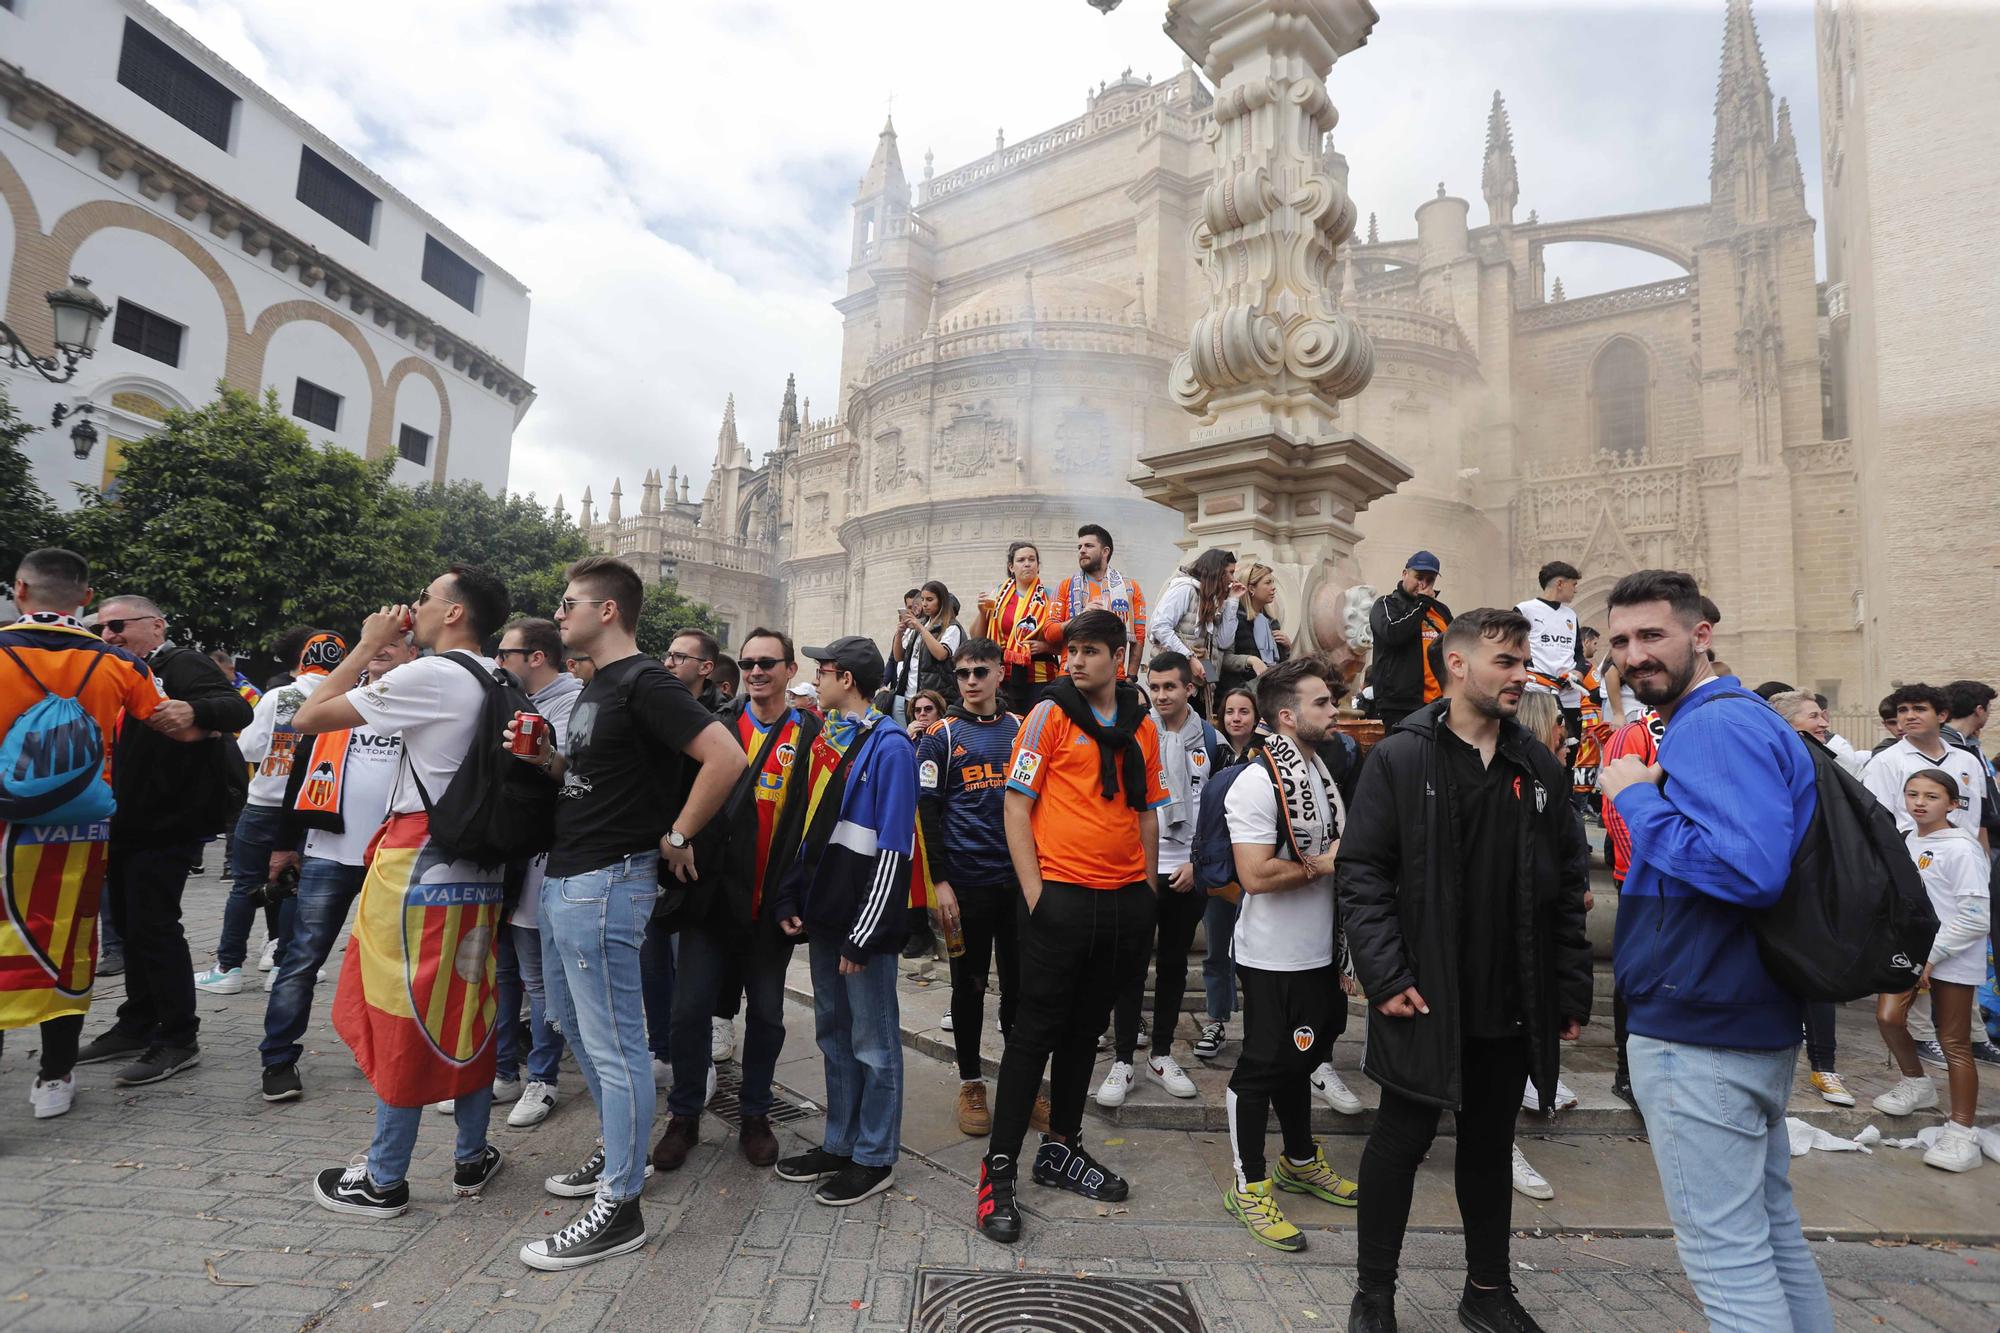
column 726, row 1107
column 959, row 1300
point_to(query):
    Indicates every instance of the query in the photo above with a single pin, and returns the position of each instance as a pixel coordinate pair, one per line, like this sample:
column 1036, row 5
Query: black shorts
column 1291, row 1018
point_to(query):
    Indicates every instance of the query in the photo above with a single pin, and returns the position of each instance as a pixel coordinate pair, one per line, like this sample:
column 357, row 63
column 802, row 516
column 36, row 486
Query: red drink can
column 528, row 729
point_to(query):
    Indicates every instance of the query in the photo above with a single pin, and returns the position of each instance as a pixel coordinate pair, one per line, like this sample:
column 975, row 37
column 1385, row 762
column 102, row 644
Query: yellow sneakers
column 1831, row 1089
column 1317, row 1179
column 1258, row 1211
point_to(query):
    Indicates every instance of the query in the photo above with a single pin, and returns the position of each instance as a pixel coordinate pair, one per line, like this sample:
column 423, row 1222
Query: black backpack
column 497, row 809
column 1855, row 919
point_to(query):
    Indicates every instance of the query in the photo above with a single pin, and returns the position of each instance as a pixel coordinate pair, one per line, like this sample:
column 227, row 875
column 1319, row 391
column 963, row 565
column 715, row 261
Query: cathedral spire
column 788, row 412
column 1374, row 235
column 885, row 172
column 1743, row 136
column 1500, row 183
column 615, row 512
column 726, row 442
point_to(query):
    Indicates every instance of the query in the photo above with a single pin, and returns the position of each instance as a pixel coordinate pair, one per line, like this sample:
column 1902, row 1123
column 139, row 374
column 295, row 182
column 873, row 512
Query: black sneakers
column 281, row 1084
column 156, row 1065
column 110, row 1045
column 999, row 1216
column 1064, row 1166
column 813, row 1165
column 1494, row 1311
column 1372, row 1312
column 585, row 1179
column 468, row 1178
column 607, row 1229
column 854, row 1183
column 348, row 1190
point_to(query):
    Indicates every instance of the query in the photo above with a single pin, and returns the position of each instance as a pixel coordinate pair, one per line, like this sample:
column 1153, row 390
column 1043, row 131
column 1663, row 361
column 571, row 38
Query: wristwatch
column 676, row 839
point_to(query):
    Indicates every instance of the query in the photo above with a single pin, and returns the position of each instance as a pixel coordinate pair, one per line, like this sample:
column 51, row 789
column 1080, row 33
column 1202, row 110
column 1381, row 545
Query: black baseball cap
column 852, row 653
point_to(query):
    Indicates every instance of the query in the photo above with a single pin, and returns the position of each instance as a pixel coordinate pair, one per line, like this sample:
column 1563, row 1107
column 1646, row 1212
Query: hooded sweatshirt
column 1955, row 872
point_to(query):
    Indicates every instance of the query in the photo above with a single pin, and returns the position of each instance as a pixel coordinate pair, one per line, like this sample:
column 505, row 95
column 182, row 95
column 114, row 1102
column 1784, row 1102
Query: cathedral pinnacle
column 885, row 170
column 1500, row 182
column 1374, row 236
column 1742, row 93
column 788, row 412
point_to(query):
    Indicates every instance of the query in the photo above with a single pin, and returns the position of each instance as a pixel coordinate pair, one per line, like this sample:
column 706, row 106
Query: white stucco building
column 234, row 243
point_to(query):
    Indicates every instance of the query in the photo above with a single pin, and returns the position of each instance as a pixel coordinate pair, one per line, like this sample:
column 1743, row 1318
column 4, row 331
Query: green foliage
column 665, row 613
column 510, row 536
column 239, row 527
column 28, row 517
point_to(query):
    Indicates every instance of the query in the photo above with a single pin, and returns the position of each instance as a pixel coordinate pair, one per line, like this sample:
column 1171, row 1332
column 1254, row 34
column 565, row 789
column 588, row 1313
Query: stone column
column 1268, row 469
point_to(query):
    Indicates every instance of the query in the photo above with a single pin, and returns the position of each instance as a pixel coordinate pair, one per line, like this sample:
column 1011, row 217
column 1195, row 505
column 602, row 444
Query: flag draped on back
column 51, row 878
column 417, row 998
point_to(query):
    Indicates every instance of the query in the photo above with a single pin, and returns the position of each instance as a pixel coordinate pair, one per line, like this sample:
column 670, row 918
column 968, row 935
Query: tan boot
column 973, row 1116
column 1038, row 1119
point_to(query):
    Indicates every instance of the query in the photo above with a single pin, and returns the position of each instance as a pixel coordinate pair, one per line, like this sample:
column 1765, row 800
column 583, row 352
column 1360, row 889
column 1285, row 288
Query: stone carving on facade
column 1634, row 516
column 973, row 441
column 889, row 466
column 1825, row 456
column 1083, row 441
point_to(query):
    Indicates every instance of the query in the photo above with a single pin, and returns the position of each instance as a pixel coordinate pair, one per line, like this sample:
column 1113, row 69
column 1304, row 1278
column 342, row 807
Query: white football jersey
column 1552, row 647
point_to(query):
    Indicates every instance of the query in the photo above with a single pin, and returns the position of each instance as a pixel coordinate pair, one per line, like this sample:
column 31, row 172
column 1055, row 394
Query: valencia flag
column 416, row 999
column 51, row 881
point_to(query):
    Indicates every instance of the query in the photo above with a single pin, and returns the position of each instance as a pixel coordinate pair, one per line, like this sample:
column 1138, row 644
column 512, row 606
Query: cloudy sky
column 671, row 178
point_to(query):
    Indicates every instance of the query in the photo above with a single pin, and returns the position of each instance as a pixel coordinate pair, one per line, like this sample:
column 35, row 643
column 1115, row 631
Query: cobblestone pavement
column 188, row 1205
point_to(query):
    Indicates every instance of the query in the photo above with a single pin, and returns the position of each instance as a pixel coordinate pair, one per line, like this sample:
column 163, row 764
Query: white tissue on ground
column 1804, row 1138
column 1989, row 1139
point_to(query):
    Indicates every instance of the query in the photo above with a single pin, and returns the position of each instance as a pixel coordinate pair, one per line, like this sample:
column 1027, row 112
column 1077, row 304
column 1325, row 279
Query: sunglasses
column 118, row 626
column 749, row 664
column 569, row 604
column 426, row 595
column 973, row 673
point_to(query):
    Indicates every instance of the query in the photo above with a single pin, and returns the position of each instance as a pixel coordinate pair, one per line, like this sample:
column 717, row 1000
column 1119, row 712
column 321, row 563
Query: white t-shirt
column 372, row 760
column 1552, row 646
column 269, row 741
column 1292, row 930
column 434, row 706
column 1888, row 771
column 1955, row 870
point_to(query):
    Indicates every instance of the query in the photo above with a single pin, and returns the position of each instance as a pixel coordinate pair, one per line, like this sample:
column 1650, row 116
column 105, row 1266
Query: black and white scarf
column 1311, row 820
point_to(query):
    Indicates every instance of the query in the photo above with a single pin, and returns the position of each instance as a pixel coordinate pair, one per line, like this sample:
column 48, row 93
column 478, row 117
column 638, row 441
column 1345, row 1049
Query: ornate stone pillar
column 1268, row 469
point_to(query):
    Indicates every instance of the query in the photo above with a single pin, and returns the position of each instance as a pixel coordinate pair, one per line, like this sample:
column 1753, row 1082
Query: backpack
column 1854, row 919
column 52, row 759
column 496, row 808
column 1214, row 854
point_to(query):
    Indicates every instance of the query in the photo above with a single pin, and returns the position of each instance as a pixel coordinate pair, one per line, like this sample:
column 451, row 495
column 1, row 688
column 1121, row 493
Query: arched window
column 1618, row 391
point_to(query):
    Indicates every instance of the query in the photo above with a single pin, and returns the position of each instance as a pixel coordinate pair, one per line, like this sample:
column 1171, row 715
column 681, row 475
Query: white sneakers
column 52, row 1098
column 534, row 1105
column 506, row 1090
column 219, row 981
column 1334, row 1092
column 269, row 958
column 1167, row 1072
column 663, row 1074
column 1530, row 1101
column 1529, row 1181
column 721, row 1040
column 945, row 1022
column 1912, row 1094
column 1116, row 1085
column 1956, row 1149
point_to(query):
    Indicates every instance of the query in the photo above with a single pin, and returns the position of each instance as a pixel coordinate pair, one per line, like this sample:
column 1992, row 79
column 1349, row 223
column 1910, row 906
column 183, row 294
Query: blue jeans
column 1716, row 1117
column 544, row 1046
column 326, row 890
column 595, row 925
column 250, row 865
column 711, row 959
column 507, row 1039
column 396, row 1134
column 855, row 1019
column 656, row 978
column 1218, row 974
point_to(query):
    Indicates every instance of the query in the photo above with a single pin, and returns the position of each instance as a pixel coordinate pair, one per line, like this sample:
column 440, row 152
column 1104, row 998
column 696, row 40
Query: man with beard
column 1407, row 623
column 1096, row 586
column 1470, row 947
column 1714, row 824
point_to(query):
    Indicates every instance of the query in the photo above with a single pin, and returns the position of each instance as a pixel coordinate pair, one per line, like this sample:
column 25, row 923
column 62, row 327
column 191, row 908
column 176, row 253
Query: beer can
column 528, row 729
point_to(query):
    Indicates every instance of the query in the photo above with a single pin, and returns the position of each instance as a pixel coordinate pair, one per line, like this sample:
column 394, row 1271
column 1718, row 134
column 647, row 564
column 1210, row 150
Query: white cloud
column 671, row 177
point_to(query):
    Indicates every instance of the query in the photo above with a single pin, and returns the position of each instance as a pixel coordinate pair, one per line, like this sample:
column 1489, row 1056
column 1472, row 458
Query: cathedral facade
column 1009, row 326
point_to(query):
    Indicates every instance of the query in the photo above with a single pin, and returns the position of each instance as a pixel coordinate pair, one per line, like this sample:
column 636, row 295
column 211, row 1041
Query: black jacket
column 173, row 791
column 1397, row 623
column 1400, row 907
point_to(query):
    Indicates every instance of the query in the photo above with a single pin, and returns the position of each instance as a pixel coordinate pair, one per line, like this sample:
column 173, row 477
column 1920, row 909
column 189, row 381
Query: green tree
column 665, row 613
column 513, row 537
column 28, row 517
column 239, row 526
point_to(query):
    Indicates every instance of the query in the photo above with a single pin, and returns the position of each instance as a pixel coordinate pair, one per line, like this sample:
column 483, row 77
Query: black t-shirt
column 625, row 782
column 1486, row 819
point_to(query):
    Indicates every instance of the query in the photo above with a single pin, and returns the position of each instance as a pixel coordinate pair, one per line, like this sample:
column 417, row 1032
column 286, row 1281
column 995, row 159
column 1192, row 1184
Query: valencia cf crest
column 1303, row 1038
column 319, row 785
column 786, row 753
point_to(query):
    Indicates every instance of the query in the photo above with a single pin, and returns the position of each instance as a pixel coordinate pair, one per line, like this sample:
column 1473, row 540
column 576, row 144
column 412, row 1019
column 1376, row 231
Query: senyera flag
column 51, row 882
column 416, row 999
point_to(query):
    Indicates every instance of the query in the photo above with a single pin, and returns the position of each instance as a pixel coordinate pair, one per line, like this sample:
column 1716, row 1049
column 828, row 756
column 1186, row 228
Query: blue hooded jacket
column 1712, row 846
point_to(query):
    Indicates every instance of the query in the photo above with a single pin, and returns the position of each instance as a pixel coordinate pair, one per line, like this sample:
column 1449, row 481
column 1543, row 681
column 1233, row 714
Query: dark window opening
column 414, row 445
column 450, row 274
column 140, row 330
column 175, row 84
column 335, row 195
column 320, row 406
column 1619, row 383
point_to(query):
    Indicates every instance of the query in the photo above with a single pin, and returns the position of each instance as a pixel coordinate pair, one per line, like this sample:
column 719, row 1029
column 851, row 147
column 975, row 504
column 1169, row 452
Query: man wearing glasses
column 1407, row 624
column 692, row 657
column 739, row 945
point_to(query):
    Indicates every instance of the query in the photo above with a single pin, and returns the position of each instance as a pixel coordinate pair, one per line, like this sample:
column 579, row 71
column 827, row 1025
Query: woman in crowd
column 1238, row 710
column 926, row 638
column 927, row 708
column 1014, row 614
column 1239, row 723
column 1188, row 618
column 1249, row 636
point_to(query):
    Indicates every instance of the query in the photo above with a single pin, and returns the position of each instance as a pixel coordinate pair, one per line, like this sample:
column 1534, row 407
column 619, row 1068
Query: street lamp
column 78, row 316
column 83, row 436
